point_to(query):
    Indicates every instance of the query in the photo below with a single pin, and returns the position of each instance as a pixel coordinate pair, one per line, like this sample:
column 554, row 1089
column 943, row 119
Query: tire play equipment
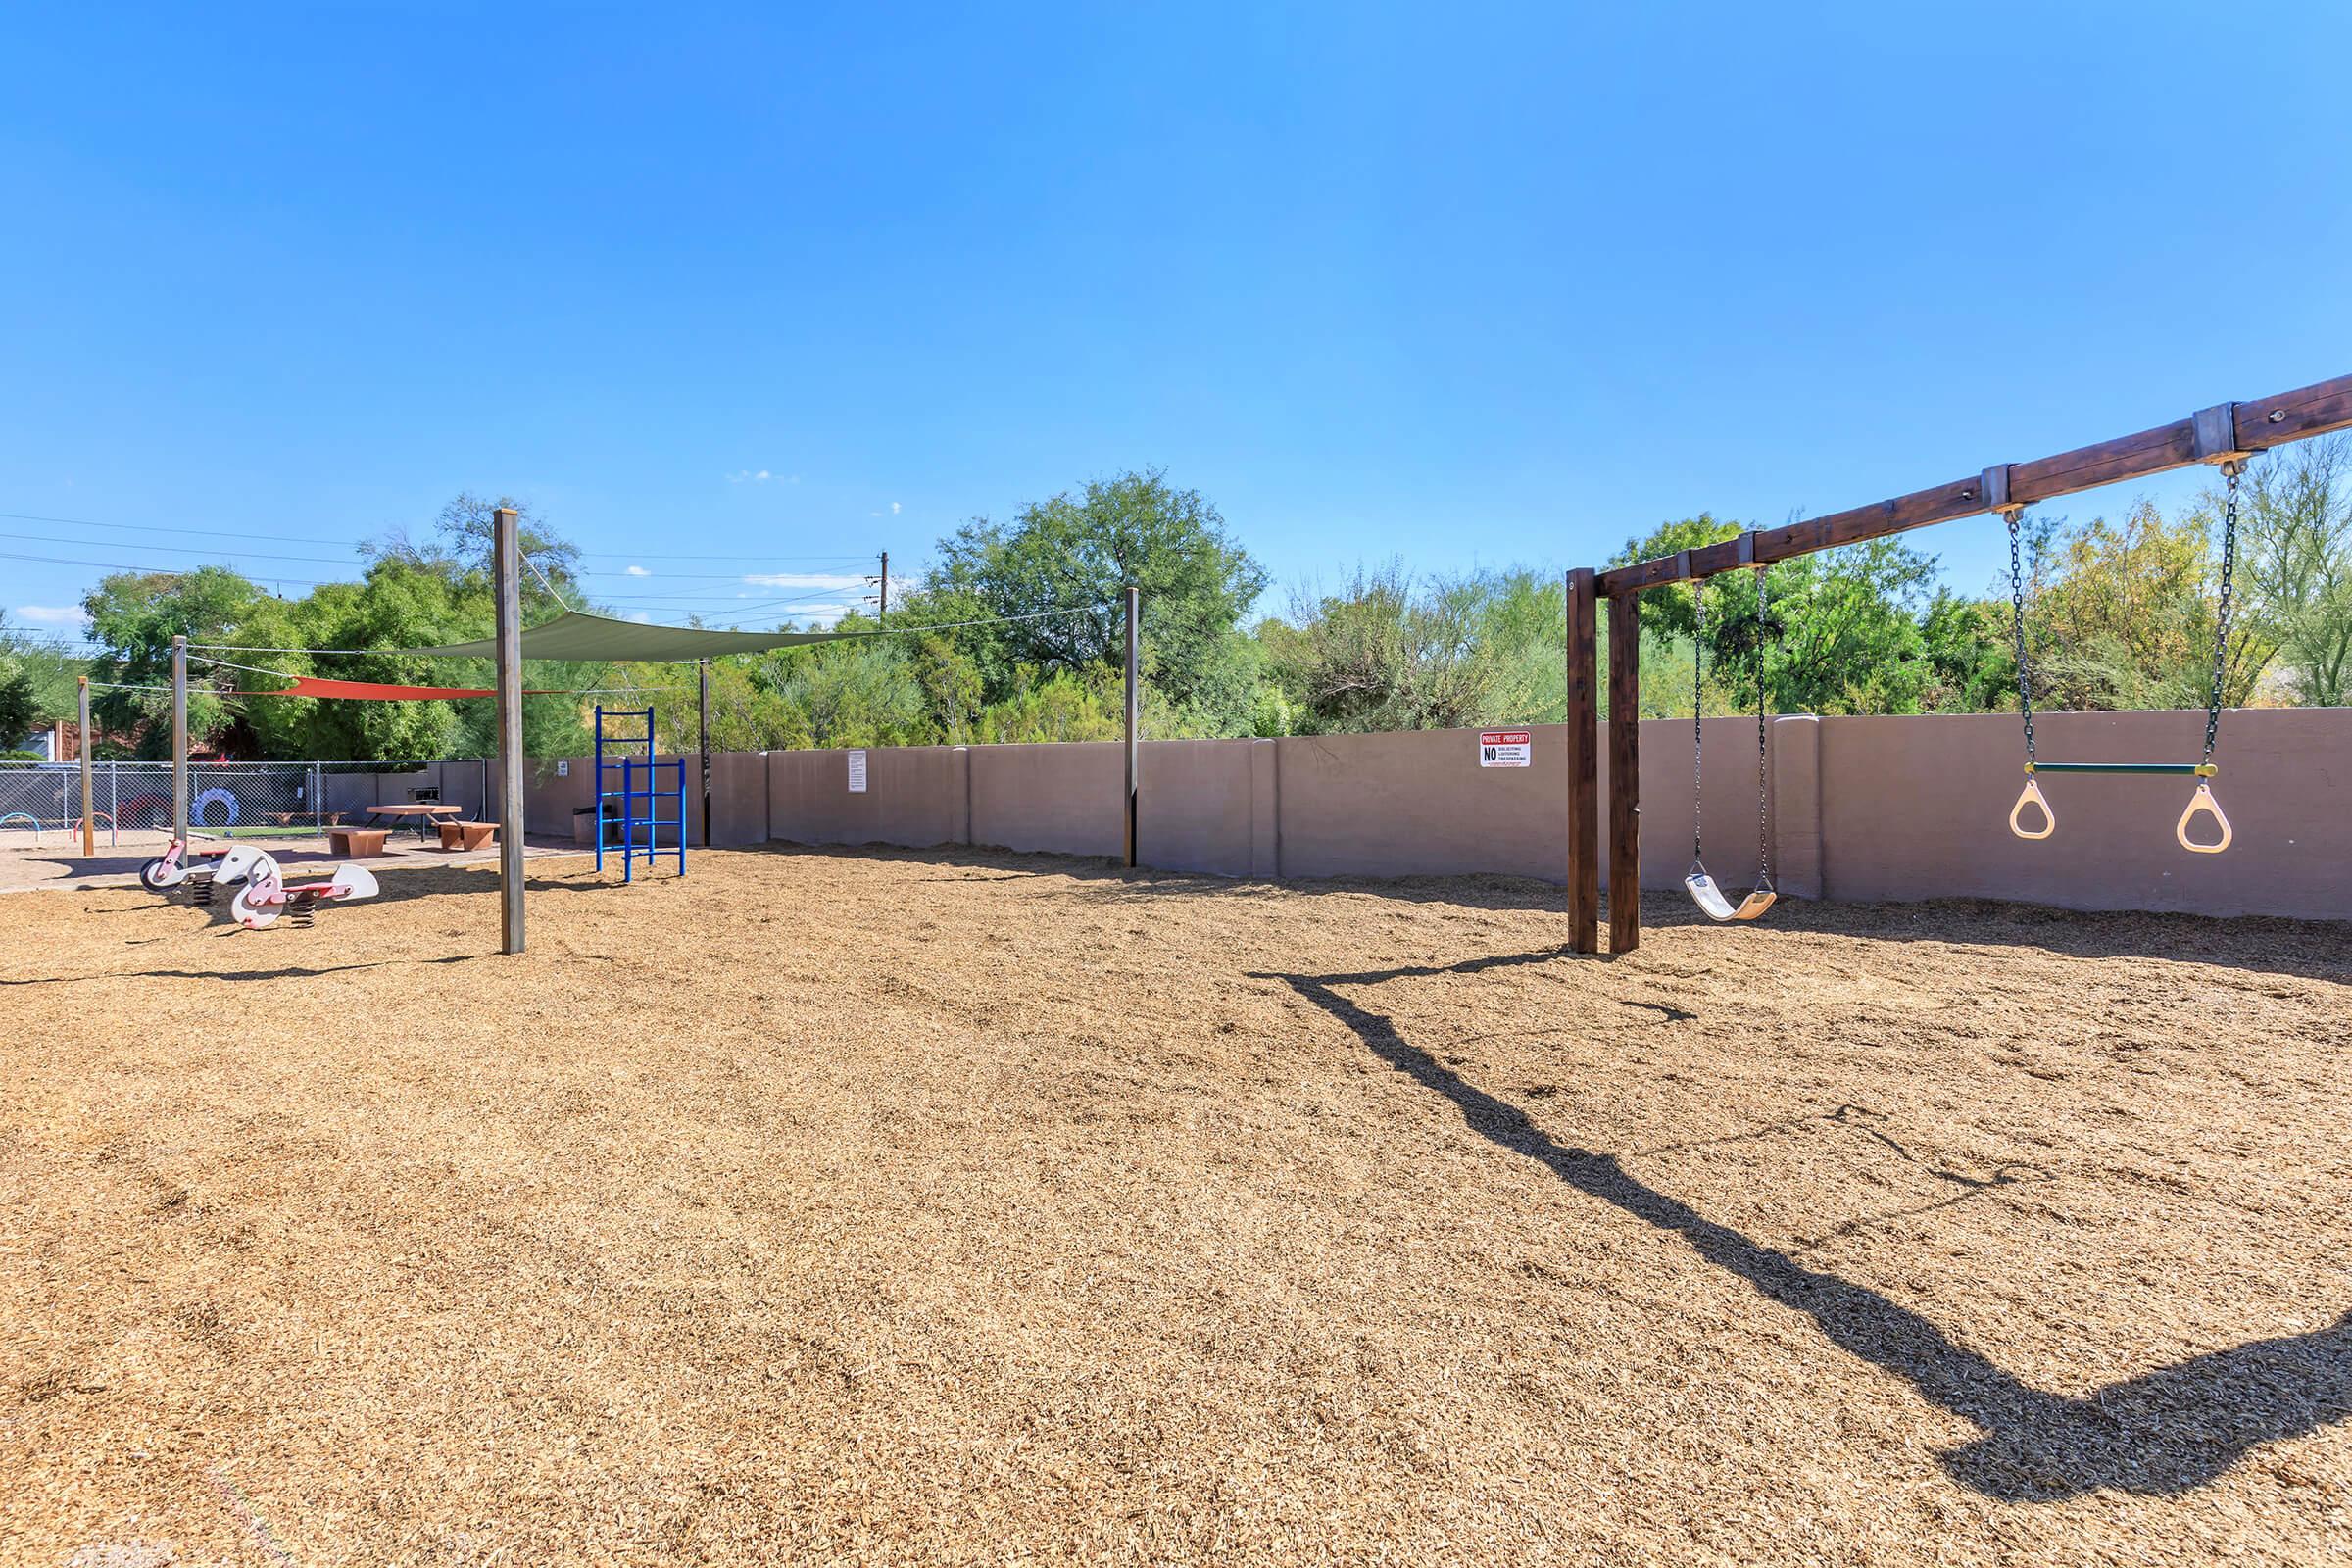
column 211, row 797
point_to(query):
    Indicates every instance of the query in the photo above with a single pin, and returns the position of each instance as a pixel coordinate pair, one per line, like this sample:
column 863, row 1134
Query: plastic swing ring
column 2031, row 795
column 2204, row 802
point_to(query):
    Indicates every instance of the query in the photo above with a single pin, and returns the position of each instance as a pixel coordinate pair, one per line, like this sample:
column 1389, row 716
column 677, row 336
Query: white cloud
column 53, row 615
column 638, row 571
column 894, row 509
column 643, row 617
column 803, row 579
column 759, row 477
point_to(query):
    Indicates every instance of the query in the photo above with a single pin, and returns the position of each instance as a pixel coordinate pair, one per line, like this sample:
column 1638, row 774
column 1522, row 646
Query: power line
column 179, row 529
column 179, row 550
column 152, row 570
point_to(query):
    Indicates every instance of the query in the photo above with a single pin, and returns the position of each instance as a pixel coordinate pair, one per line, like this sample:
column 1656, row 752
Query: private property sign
column 1505, row 748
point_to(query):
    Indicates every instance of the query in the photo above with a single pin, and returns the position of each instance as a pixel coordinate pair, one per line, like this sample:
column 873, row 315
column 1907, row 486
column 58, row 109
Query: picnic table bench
column 358, row 843
column 467, row 835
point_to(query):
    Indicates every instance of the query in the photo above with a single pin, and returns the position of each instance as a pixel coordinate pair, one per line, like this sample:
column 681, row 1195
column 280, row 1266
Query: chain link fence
column 229, row 799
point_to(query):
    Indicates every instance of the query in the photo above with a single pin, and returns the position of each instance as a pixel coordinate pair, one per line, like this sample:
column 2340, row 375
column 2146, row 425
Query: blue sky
column 1466, row 286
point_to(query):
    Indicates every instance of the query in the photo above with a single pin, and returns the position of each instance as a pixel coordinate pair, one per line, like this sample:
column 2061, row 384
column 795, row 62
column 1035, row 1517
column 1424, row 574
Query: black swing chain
column 1763, row 772
column 2221, row 623
column 2017, row 600
column 1698, row 730
column 1698, row 707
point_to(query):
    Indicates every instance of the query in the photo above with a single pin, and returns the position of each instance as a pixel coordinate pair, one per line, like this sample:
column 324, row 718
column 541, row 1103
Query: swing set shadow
column 2165, row 1431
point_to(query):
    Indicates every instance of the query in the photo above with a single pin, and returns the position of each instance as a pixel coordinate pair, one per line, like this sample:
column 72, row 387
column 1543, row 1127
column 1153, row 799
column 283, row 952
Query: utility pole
column 882, row 614
column 507, row 587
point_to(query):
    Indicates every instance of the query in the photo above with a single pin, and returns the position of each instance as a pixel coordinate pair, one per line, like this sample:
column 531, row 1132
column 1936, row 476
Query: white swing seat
column 1715, row 907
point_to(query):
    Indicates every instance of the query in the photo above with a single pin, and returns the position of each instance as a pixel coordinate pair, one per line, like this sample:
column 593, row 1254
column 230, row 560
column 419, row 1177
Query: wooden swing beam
column 2227, row 430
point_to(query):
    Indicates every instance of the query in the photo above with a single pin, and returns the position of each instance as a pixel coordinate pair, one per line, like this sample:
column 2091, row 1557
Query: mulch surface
column 904, row 1207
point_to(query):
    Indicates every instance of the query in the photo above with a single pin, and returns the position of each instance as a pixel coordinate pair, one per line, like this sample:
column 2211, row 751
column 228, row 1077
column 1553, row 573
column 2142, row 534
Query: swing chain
column 1698, row 708
column 1763, row 770
column 2017, row 600
column 2221, row 625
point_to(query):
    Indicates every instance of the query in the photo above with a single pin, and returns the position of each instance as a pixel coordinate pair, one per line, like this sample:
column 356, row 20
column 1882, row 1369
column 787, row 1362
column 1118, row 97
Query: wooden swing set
column 2225, row 435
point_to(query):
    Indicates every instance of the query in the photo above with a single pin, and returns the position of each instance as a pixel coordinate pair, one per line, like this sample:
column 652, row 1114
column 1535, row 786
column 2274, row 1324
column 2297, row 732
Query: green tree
column 1970, row 667
column 19, row 703
column 2296, row 565
column 2121, row 616
column 1844, row 633
column 458, row 548
column 1065, row 562
column 1390, row 651
column 134, row 617
column 37, row 683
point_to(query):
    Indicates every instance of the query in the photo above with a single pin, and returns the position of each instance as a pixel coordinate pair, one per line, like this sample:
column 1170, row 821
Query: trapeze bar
column 2120, row 767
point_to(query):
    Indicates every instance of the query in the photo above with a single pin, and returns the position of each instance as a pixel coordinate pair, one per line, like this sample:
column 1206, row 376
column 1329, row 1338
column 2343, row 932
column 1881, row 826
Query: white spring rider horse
column 266, row 893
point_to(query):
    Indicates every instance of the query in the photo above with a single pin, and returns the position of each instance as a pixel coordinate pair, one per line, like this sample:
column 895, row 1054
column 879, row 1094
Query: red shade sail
column 373, row 691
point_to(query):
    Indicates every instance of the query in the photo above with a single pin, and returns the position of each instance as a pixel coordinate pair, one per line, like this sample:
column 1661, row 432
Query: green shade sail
column 577, row 635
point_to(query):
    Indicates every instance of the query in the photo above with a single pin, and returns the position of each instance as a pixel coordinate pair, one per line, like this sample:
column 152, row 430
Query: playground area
column 959, row 1206
column 55, row 860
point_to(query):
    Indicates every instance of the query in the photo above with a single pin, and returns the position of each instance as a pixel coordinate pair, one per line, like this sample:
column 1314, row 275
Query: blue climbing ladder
column 630, row 819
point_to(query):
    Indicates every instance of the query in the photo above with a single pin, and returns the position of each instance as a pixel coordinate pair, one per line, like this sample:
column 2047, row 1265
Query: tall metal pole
column 704, row 676
column 882, row 605
column 505, row 565
column 1134, row 706
column 179, row 740
column 89, row 831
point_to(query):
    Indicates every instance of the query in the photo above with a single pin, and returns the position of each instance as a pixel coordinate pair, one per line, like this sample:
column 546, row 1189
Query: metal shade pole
column 90, row 830
column 1134, row 709
column 179, row 740
column 504, row 564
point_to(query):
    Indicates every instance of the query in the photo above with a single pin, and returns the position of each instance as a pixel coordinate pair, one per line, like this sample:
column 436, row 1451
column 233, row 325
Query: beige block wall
column 1206, row 805
column 914, row 795
column 739, row 790
column 1919, row 808
column 1859, row 809
column 1062, row 798
column 1415, row 803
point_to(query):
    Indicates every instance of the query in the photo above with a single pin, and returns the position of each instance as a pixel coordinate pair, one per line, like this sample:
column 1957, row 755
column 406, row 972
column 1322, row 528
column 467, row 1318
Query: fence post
column 89, row 829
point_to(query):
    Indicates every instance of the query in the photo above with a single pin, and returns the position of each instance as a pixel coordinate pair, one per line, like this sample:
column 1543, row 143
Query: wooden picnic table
column 426, row 814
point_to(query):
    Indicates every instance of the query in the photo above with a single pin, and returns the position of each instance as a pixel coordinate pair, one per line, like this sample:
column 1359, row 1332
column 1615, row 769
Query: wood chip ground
column 925, row 1208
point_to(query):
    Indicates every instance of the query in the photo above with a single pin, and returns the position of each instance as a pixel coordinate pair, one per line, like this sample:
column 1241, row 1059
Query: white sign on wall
column 1505, row 748
column 858, row 772
column 562, row 768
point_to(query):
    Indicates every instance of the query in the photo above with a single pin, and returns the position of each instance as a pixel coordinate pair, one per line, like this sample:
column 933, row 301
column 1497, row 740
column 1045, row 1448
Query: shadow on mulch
column 2168, row 1430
